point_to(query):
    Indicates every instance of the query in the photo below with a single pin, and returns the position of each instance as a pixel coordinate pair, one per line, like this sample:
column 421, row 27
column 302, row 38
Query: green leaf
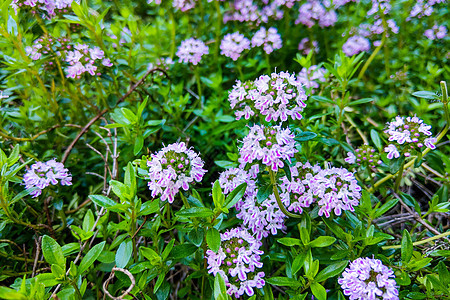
column 88, row 221
column 124, row 253
column 53, row 252
column 138, row 144
column 102, row 201
column 217, row 195
column 10, row 294
column 90, row 257
column 213, row 239
column 322, row 99
column 298, row 262
column 225, row 164
column 318, row 291
column 322, row 241
column 167, row 250
column 444, row 275
column 289, row 242
column 182, row 251
column 416, row 296
column 425, row 95
column 59, row 272
column 198, row 212
column 235, row 195
column 360, row 101
column 149, row 207
column 407, row 247
column 219, row 287
column 305, row 136
column 283, row 281
column 376, row 139
column 385, row 207
column 331, row 271
column 121, row 190
column 151, row 255
column 395, row 164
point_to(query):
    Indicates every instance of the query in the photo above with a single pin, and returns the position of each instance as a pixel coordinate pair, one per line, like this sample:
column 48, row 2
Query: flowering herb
column 355, row 45
column 410, row 135
column 85, row 59
column 173, row 167
column 335, row 189
column 191, row 51
column 233, row 44
column 269, row 39
column 267, row 145
column 43, row 174
column 368, row 278
column 277, row 96
column 237, row 261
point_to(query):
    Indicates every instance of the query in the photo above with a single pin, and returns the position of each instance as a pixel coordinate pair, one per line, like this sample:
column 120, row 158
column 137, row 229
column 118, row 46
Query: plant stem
column 374, row 53
column 399, row 177
column 278, row 198
column 442, row 235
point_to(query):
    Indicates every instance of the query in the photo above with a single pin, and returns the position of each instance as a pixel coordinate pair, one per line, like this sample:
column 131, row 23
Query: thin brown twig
column 111, row 276
column 417, row 216
column 36, row 256
column 101, row 113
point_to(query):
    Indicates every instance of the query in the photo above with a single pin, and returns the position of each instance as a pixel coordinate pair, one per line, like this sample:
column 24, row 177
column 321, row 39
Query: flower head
column 192, row 50
column 368, row 278
column 233, row 44
column 408, row 134
column 311, row 77
column 269, row 39
column 84, row 59
column 336, row 189
column 355, row 45
column 297, row 190
column 173, row 167
column 277, row 96
column 237, row 261
column 267, row 145
column 41, row 175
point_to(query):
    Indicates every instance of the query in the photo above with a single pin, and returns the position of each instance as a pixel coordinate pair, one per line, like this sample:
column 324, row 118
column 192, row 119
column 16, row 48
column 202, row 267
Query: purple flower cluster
column 191, row 51
column 336, row 189
column 257, row 12
column 173, row 167
column 436, row 32
column 355, row 45
column 313, row 11
column 183, row 5
column 269, row 145
column 41, row 175
column 366, row 156
column 233, row 44
column 410, row 134
column 368, row 278
column 47, row 45
column 312, row 77
column 423, row 8
column 49, row 7
column 297, row 190
column 269, row 39
column 84, row 59
column 306, row 46
column 237, row 261
column 261, row 218
column 380, row 6
column 277, row 96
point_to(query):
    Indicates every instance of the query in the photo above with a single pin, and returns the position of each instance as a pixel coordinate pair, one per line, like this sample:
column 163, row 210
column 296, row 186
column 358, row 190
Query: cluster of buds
column 50, row 48
column 366, row 156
